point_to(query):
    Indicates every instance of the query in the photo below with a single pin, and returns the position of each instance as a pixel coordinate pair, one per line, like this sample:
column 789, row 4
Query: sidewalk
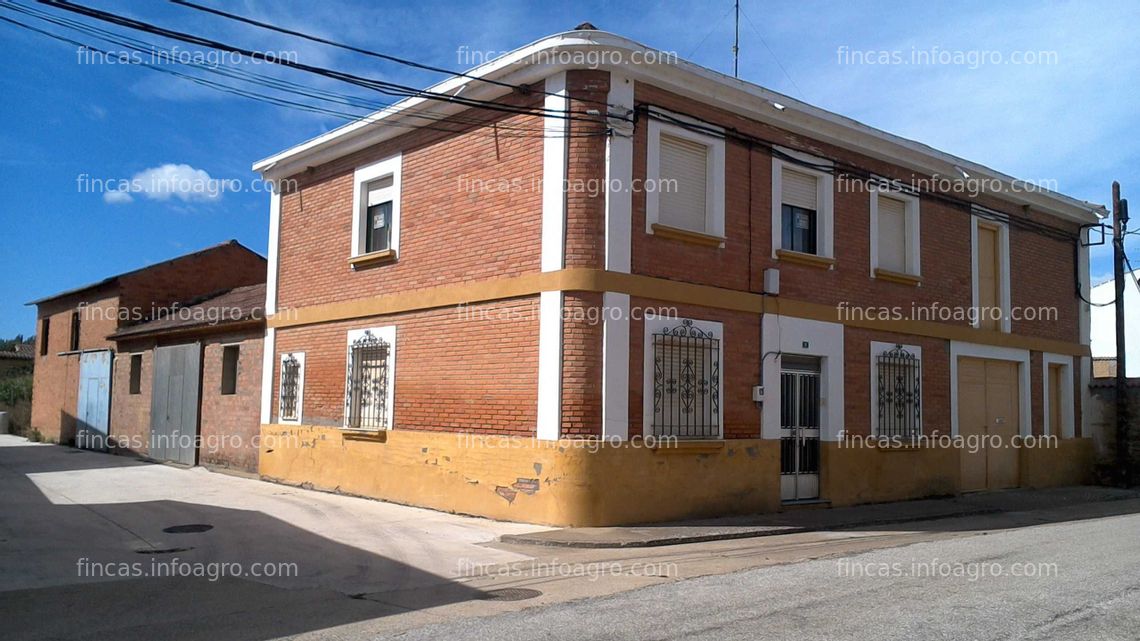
column 809, row 520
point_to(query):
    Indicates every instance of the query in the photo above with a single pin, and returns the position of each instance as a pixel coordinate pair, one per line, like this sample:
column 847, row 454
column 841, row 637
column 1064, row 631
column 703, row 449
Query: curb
column 758, row 532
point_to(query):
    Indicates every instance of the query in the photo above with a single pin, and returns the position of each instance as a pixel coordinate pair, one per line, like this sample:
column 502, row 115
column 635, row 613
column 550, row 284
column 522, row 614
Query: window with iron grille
column 686, row 378
column 292, row 386
column 368, row 386
column 898, row 379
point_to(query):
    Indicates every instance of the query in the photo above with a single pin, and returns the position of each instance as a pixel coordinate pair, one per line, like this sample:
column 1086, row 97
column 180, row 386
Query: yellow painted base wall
column 851, row 476
column 582, row 483
column 522, row 479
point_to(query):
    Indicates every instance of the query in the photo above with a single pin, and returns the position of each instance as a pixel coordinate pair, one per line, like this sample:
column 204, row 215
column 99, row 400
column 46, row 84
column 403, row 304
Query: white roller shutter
column 892, row 234
column 380, row 191
column 683, row 203
column 799, row 189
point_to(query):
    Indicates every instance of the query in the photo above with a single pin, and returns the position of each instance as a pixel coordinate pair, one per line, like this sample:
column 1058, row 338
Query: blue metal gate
column 93, row 413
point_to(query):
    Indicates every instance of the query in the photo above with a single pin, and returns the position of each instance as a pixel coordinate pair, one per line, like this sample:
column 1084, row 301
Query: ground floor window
column 683, row 378
column 292, row 384
column 897, row 390
column 368, row 384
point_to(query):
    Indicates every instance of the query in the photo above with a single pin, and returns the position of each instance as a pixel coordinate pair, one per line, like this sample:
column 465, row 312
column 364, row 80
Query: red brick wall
column 55, row 382
column 470, row 209
column 740, row 365
column 857, row 373
column 177, row 281
column 469, row 369
column 585, row 172
column 130, row 413
column 231, row 423
column 1042, row 269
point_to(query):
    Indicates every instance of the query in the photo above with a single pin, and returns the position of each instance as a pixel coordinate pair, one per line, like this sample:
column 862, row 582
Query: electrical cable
column 388, row 88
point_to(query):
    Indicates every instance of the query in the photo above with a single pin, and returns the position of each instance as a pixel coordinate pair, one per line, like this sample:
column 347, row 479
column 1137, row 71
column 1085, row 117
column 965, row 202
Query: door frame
column 799, row 432
column 959, row 349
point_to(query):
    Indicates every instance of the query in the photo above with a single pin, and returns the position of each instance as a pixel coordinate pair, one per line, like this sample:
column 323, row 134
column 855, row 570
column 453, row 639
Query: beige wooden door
column 989, row 410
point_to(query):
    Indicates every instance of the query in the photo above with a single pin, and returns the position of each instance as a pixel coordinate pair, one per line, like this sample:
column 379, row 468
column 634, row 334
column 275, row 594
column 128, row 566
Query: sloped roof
column 110, row 280
column 20, row 352
column 240, row 305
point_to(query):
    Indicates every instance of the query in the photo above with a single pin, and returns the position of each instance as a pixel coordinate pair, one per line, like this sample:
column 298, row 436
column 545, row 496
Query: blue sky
column 1069, row 119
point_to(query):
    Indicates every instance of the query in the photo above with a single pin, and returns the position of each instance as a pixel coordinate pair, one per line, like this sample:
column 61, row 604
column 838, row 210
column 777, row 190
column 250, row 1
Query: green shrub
column 16, row 389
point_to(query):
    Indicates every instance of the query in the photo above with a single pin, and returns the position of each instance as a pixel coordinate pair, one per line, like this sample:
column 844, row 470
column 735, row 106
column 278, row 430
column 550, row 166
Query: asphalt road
column 1085, row 585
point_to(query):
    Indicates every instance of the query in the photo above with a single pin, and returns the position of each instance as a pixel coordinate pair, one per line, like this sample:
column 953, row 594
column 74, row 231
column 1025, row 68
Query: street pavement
column 89, row 544
column 1064, row 581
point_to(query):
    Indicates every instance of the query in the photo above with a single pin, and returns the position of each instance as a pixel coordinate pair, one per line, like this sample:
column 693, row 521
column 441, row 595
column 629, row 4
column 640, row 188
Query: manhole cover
column 191, row 528
column 163, row 550
column 510, row 594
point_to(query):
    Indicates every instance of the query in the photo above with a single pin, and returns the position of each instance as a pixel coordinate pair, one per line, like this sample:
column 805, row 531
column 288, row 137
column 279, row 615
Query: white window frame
column 1003, row 277
column 1068, row 411
column 913, row 237
column 825, row 201
column 387, row 334
column 300, row 356
column 362, row 177
column 878, row 348
column 655, row 324
column 714, row 174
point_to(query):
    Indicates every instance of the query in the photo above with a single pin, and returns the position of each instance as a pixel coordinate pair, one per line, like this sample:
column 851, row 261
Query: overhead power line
column 386, row 87
column 367, row 52
column 134, row 44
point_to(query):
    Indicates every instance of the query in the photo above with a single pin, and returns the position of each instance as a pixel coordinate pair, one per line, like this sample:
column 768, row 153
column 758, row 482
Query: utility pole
column 1119, row 227
column 736, row 45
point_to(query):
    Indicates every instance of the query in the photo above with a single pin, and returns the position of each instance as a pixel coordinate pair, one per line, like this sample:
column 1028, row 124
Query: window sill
column 689, row 447
column 898, row 277
column 687, row 236
column 372, row 436
column 373, row 258
column 800, row 258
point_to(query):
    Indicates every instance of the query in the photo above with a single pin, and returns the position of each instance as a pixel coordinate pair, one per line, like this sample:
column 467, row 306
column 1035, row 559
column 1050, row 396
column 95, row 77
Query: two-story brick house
column 644, row 290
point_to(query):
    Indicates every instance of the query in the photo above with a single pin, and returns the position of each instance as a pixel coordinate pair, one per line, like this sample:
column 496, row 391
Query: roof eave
column 681, row 77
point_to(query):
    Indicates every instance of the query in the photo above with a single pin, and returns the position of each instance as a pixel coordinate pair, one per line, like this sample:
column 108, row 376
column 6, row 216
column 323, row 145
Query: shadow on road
column 76, row 571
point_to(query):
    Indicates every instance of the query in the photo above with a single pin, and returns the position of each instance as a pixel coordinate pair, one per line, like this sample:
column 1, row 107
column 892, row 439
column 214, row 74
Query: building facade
column 75, row 353
column 187, row 387
column 646, row 291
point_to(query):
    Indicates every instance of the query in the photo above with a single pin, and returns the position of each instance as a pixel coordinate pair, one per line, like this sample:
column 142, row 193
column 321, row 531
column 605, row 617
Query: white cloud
column 165, row 182
column 117, row 197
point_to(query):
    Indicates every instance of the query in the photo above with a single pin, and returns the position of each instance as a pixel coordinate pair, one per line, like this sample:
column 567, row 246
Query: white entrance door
column 799, row 428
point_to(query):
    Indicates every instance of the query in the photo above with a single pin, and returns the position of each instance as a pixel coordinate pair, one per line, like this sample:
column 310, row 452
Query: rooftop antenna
column 736, row 45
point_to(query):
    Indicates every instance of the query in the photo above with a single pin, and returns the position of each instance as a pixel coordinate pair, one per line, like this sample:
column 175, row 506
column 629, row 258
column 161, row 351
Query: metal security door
column 799, row 428
column 93, row 412
column 174, row 404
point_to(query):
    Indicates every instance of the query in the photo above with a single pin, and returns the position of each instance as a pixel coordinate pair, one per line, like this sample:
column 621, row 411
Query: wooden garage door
column 988, row 405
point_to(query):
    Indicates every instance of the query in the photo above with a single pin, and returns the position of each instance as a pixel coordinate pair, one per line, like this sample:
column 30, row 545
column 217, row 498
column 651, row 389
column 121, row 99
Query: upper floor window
column 45, row 329
column 376, row 211
column 684, row 189
column 990, row 274
column 73, row 344
column 895, row 237
column 802, row 208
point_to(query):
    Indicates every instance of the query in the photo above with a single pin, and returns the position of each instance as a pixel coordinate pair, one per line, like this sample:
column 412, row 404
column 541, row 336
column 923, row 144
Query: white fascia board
column 680, row 77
